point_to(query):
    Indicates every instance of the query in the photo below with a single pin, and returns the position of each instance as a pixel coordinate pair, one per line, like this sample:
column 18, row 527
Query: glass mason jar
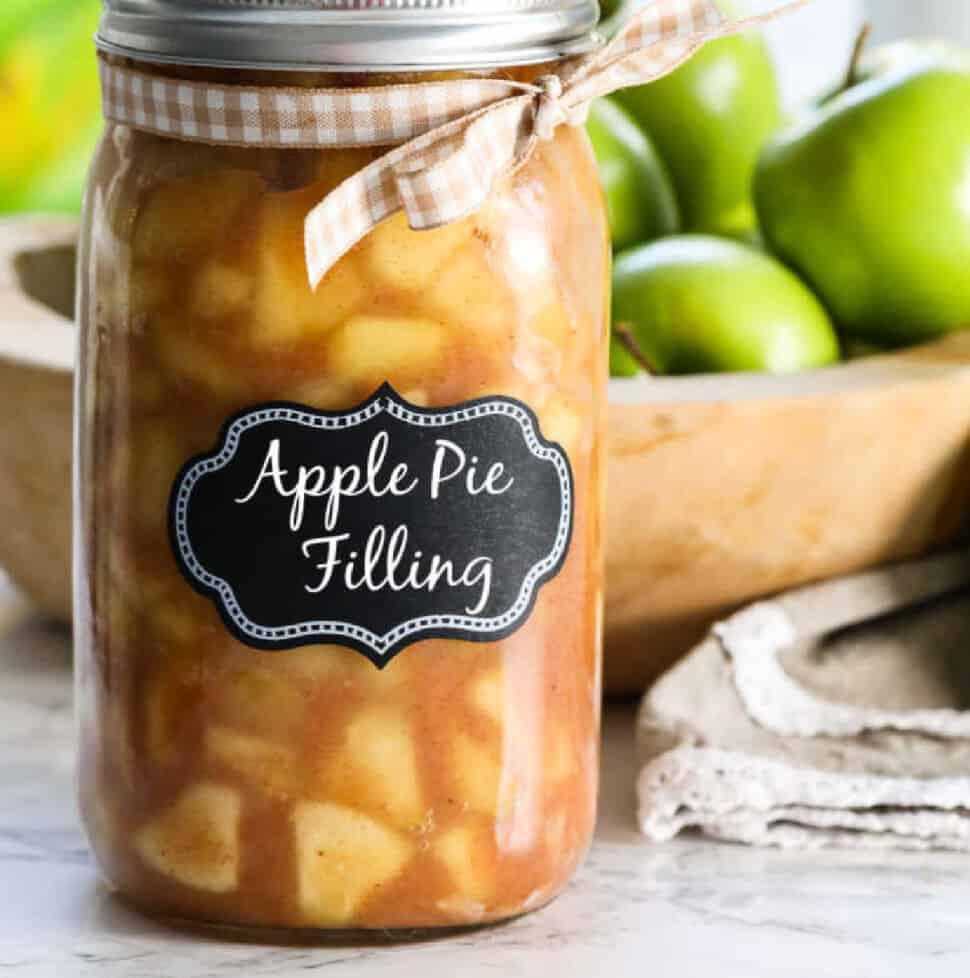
column 313, row 782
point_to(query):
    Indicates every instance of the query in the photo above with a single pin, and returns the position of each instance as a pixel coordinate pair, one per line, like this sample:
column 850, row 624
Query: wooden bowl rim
column 929, row 362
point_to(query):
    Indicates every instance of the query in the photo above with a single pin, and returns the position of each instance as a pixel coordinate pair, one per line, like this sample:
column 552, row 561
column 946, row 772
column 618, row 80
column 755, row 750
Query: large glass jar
column 305, row 786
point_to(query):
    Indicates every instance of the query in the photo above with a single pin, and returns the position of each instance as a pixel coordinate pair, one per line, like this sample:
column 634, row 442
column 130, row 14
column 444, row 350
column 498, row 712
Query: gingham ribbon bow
column 453, row 140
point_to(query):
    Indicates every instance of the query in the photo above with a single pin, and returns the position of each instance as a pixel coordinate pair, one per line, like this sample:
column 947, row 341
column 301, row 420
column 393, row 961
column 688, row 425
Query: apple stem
column 629, row 342
column 858, row 50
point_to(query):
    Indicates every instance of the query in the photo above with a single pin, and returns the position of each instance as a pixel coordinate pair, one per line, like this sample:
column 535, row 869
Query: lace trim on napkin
column 749, row 799
column 754, row 639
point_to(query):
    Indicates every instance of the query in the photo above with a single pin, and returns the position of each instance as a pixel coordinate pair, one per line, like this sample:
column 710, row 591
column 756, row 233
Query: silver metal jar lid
column 359, row 35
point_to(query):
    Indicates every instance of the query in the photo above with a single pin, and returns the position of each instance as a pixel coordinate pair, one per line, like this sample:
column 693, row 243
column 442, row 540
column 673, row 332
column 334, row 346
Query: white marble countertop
column 692, row 909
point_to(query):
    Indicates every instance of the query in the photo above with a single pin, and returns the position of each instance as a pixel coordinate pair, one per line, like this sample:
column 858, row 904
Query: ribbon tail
column 458, row 176
column 440, row 177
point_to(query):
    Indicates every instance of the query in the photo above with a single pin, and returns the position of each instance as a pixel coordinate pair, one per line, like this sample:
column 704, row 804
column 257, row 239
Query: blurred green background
column 49, row 102
column 49, row 89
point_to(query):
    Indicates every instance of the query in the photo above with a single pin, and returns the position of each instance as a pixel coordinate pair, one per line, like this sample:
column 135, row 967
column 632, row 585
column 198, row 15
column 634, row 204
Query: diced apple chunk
column 478, row 777
column 183, row 219
column 344, row 857
column 379, row 768
column 463, row 851
column 374, row 349
column 468, row 294
column 323, row 392
column 411, row 260
column 417, row 396
column 553, row 323
column 220, row 290
column 286, row 309
column 562, row 425
column 267, row 766
column 488, row 695
column 196, row 841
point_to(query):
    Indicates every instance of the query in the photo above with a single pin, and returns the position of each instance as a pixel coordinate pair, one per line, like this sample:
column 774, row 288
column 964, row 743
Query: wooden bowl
column 37, row 258
column 722, row 489
column 725, row 489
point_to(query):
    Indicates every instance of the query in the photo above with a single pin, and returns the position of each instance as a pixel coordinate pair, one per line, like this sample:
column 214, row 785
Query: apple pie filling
column 306, row 787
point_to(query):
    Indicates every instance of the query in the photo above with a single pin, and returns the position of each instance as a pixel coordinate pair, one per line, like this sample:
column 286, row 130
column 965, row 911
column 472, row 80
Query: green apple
column 868, row 198
column 700, row 304
column 639, row 196
column 709, row 120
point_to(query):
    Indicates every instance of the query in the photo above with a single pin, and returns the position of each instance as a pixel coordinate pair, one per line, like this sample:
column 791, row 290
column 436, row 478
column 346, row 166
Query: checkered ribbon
column 452, row 140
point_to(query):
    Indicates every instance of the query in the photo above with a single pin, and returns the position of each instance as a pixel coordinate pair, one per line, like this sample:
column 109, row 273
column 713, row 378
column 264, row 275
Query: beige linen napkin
column 836, row 715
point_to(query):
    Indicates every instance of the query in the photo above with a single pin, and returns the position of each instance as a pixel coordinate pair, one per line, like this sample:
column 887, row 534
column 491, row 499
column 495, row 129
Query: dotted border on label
column 330, row 629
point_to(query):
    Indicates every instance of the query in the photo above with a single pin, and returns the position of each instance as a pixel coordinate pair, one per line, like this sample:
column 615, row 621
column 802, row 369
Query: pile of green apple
column 747, row 242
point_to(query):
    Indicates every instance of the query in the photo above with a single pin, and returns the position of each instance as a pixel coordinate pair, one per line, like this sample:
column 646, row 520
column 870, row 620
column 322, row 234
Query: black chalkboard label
column 374, row 528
